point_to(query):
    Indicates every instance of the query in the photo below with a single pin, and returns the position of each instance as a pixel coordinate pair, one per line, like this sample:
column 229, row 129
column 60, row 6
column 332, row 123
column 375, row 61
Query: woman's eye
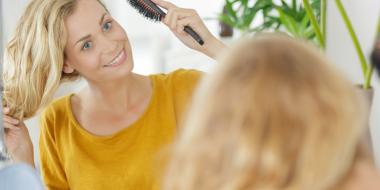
column 87, row 45
column 107, row 26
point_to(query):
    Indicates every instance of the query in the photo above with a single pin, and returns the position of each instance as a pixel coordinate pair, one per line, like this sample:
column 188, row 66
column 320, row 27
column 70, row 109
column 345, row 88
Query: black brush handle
column 187, row 29
column 193, row 34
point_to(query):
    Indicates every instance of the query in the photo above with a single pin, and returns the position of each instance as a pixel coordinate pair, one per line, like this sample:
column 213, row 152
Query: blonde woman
column 106, row 136
column 274, row 115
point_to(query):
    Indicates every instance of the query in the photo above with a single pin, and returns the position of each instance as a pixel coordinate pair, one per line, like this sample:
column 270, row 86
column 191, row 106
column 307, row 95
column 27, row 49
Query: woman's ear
column 67, row 68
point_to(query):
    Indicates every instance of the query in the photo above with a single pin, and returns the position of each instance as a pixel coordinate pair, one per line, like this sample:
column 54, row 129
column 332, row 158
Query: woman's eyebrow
column 101, row 20
column 83, row 38
column 88, row 36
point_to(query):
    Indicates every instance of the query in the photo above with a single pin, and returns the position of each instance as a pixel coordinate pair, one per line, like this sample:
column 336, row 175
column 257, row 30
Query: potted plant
column 301, row 19
column 287, row 17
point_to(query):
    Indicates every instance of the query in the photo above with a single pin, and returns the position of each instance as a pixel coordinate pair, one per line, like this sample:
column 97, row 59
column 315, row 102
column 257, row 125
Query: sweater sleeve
column 184, row 85
column 51, row 166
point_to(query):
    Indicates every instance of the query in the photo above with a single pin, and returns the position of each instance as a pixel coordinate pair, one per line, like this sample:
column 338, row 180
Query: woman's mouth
column 118, row 60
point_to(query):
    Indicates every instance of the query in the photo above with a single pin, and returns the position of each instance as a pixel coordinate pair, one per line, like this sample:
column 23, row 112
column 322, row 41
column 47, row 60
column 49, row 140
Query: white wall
column 11, row 12
column 1, row 32
column 364, row 15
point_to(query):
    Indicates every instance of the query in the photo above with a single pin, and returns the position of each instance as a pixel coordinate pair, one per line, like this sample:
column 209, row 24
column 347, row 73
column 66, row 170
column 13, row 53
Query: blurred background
column 156, row 50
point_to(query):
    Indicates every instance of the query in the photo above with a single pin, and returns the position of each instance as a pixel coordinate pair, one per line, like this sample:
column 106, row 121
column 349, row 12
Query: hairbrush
column 151, row 11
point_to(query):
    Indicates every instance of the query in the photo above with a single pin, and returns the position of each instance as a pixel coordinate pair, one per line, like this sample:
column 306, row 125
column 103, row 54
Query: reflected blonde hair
column 274, row 115
column 34, row 57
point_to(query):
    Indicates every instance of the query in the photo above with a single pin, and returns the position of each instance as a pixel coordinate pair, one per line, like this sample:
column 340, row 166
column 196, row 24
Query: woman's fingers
column 174, row 15
column 182, row 23
column 6, row 110
column 10, row 126
column 10, row 120
column 176, row 18
column 188, row 12
column 164, row 4
column 171, row 19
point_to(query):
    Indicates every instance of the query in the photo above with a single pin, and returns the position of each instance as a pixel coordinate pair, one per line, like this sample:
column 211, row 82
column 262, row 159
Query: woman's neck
column 363, row 175
column 118, row 96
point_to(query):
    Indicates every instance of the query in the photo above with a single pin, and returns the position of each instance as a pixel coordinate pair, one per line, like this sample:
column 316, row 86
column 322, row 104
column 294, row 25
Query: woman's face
column 97, row 46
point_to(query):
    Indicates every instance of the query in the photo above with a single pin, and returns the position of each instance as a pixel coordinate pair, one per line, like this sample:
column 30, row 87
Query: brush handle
column 187, row 29
column 193, row 34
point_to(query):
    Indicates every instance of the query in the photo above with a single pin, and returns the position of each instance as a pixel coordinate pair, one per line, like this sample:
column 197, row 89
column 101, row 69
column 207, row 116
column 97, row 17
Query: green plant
column 240, row 14
column 367, row 69
column 302, row 19
column 290, row 17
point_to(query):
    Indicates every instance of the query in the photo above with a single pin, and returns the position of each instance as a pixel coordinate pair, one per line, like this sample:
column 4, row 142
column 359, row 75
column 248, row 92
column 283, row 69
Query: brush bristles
column 145, row 10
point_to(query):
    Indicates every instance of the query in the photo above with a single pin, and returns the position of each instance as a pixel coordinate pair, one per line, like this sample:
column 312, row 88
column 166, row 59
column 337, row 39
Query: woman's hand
column 17, row 139
column 177, row 18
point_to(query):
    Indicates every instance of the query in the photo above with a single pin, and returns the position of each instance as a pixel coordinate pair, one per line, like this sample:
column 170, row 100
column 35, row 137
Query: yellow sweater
column 72, row 158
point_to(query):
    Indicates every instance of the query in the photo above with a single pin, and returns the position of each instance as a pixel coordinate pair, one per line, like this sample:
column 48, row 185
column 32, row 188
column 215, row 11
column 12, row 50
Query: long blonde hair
column 34, row 57
column 274, row 115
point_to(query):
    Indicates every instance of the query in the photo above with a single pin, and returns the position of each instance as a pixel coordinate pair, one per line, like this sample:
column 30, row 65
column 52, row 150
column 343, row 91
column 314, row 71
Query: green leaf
column 249, row 18
column 305, row 21
column 244, row 3
column 316, row 6
column 288, row 23
column 230, row 11
column 227, row 20
column 314, row 22
column 294, row 4
column 309, row 33
column 284, row 15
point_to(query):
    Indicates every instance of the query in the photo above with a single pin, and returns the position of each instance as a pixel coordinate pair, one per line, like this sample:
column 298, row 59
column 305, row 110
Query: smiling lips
column 118, row 60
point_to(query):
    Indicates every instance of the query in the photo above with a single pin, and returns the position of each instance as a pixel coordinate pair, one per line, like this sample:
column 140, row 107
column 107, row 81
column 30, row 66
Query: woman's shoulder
column 57, row 108
column 178, row 87
column 55, row 116
column 179, row 77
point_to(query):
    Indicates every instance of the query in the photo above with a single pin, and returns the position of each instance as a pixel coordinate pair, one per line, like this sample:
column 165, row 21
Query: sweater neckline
column 120, row 132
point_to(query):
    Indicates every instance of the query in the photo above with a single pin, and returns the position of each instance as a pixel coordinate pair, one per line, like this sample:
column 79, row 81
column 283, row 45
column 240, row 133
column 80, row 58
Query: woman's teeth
column 117, row 59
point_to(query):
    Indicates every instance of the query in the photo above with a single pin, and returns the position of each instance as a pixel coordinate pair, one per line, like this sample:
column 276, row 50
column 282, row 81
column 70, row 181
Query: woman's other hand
column 177, row 18
column 17, row 139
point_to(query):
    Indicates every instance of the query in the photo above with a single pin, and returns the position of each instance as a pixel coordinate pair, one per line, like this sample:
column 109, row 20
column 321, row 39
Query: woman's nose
column 108, row 45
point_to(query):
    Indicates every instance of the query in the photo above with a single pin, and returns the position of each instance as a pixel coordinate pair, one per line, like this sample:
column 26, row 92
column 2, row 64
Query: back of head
column 274, row 115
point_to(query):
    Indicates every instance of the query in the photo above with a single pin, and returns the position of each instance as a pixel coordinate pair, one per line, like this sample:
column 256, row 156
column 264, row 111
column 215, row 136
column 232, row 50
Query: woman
column 106, row 136
column 274, row 115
